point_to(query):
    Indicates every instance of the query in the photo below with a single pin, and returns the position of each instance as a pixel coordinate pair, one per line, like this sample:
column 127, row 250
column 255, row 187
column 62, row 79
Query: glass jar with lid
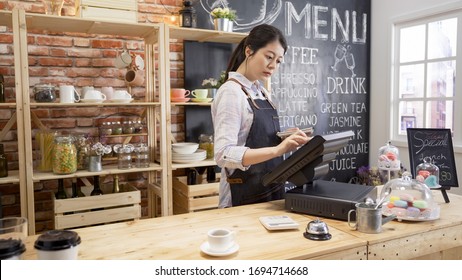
column 105, row 129
column 428, row 173
column 142, row 155
column 388, row 163
column 44, row 93
column 64, row 155
column 83, row 150
column 128, row 127
column 409, row 199
column 206, row 143
column 116, row 128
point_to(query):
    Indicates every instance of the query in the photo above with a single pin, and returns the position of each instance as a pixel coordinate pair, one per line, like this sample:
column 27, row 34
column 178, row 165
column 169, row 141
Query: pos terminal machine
column 313, row 196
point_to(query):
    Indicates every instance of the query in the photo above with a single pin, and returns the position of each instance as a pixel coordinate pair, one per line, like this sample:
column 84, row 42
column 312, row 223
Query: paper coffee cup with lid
column 11, row 249
column 58, row 245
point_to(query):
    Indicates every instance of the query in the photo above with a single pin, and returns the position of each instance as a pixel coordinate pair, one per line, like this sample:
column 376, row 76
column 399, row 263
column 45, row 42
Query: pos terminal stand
column 312, row 196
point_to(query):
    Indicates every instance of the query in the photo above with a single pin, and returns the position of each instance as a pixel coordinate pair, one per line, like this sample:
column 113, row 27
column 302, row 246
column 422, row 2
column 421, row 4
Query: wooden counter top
column 180, row 236
column 414, row 240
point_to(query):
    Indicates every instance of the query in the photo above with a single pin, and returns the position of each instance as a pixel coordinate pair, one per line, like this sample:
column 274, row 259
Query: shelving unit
column 157, row 103
column 154, row 38
column 9, row 19
column 199, row 35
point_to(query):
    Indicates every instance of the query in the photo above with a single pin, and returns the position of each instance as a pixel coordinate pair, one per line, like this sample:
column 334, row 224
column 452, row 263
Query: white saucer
column 205, row 248
column 122, row 100
column 205, row 100
column 91, row 100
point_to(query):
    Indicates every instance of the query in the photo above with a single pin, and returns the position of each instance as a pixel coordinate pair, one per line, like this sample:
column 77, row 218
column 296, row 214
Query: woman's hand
column 292, row 142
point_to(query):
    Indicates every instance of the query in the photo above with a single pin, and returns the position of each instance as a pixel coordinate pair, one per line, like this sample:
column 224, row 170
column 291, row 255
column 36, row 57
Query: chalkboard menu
column 323, row 81
column 437, row 145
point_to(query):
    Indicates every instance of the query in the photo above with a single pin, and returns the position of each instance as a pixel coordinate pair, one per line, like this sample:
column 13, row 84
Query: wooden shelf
column 191, row 103
column 104, row 104
column 89, row 26
column 207, row 162
column 7, row 105
column 6, row 18
column 124, row 135
column 107, row 170
column 206, row 35
column 13, row 178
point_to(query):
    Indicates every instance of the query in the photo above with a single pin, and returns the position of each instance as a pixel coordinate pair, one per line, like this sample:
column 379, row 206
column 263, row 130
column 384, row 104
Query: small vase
column 221, row 24
column 94, row 164
column 230, row 25
column 212, row 92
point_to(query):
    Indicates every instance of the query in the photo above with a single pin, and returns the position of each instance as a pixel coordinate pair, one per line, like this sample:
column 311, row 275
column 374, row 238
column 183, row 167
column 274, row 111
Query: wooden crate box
column 91, row 210
column 190, row 198
column 120, row 10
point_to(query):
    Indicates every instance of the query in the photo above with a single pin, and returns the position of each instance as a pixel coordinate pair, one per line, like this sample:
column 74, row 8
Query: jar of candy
column 127, row 127
column 388, row 164
column 83, row 151
column 116, row 128
column 64, row 155
column 206, row 143
column 138, row 126
column 106, row 128
column 428, row 173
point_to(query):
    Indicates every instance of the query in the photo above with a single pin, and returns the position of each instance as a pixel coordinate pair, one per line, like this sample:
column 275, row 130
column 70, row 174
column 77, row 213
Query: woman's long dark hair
column 258, row 38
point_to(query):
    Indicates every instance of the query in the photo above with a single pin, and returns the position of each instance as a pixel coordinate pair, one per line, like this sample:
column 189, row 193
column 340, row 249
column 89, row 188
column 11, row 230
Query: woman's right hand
column 292, row 142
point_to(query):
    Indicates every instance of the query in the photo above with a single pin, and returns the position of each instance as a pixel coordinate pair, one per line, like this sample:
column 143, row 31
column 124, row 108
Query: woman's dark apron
column 246, row 186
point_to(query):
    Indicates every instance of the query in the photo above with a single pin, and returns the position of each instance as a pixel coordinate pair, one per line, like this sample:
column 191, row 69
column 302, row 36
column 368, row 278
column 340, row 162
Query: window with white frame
column 427, row 92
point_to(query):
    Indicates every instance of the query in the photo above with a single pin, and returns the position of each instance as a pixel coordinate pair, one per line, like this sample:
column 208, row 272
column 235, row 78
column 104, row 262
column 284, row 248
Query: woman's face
column 264, row 62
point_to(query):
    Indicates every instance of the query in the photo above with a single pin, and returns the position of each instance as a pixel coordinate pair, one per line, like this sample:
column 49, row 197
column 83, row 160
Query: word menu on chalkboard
column 323, row 81
column 436, row 144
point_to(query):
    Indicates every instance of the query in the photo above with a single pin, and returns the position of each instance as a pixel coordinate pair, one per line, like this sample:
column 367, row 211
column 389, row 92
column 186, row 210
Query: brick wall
column 80, row 60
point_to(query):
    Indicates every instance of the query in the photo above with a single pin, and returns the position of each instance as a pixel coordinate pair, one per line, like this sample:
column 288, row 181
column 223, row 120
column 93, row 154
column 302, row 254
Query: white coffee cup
column 86, row 88
column 220, row 239
column 68, row 94
column 123, row 60
column 108, row 91
column 200, row 93
column 58, row 245
column 121, row 94
column 94, row 94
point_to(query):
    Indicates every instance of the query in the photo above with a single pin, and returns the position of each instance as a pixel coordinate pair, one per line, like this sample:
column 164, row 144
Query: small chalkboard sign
column 436, row 144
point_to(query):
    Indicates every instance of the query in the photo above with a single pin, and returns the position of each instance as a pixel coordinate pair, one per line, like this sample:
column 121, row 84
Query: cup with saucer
column 220, row 242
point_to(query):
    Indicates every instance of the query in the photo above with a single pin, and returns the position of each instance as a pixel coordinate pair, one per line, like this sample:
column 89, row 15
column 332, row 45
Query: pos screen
column 309, row 162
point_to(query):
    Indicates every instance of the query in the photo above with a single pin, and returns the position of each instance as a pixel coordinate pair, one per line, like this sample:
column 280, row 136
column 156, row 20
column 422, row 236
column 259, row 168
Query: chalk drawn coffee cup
column 220, row 239
column 68, row 94
column 123, row 60
column 179, row 93
column 200, row 93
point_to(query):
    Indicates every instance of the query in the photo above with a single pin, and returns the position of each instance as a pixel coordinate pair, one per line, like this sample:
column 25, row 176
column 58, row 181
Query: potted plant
column 213, row 84
column 223, row 19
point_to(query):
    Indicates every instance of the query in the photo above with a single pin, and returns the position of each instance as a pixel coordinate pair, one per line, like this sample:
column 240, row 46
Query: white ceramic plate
column 91, row 100
column 139, row 62
column 205, row 248
column 187, row 160
column 123, row 100
column 205, row 100
column 180, row 99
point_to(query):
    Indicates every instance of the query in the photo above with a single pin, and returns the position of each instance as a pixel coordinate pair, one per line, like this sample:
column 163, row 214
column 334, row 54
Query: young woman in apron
column 246, row 121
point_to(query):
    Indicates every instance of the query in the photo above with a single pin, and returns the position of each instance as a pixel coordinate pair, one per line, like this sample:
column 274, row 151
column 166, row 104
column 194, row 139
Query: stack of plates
column 198, row 155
